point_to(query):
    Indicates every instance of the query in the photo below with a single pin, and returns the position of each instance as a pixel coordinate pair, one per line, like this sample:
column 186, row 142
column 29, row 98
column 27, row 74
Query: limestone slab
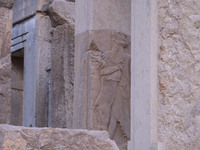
column 15, row 138
column 98, row 15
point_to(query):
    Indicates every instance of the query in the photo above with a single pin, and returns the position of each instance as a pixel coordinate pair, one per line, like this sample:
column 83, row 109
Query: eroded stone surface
column 6, row 3
column 5, row 31
column 179, row 72
column 62, row 76
column 62, row 12
column 15, row 138
column 62, row 62
column 5, row 63
column 5, row 85
column 102, row 85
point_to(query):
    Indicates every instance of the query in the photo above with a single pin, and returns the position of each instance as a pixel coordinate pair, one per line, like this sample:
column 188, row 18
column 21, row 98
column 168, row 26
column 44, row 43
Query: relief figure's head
column 120, row 41
column 93, row 46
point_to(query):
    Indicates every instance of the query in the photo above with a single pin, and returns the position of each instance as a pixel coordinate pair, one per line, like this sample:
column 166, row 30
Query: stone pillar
column 5, row 62
column 144, row 75
column 62, row 14
column 102, row 73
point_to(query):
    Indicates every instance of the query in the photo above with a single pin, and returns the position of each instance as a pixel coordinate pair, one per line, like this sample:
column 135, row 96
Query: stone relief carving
column 111, row 106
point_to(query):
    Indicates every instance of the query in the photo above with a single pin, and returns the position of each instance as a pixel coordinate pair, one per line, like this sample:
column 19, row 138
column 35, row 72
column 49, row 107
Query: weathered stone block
column 62, row 12
column 23, row 9
column 5, row 31
column 62, row 76
column 61, row 105
column 5, row 85
column 21, row 138
column 6, row 3
column 43, row 47
column 5, row 63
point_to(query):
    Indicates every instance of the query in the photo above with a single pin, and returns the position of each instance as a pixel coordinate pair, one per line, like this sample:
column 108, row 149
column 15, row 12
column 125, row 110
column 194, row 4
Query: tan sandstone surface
column 179, row 74
column 21, row 138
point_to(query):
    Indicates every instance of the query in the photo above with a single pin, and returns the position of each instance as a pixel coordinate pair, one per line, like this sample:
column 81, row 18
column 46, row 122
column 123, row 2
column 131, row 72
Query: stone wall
column 179, row 74
column 43, row 64
column 47, row 37
column 24, row 9
column 5, row 63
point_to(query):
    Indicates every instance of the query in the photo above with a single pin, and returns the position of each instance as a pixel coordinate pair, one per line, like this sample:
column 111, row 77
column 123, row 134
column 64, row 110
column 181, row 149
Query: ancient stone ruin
column 99, row 75
column 21, row 138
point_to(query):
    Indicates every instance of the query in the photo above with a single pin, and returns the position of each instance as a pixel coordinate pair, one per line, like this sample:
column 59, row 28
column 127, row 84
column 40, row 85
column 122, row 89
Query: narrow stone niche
column 17, row 87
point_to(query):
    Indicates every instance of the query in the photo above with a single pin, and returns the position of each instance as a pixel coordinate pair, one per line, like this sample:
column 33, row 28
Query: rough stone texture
column 62, row 55
column 6, row 3
column 21, row 138
column 179, row 74
column 5, row 85
column 62, row 12
column 5, row 30
column 62, row 76
column 5, row 63
column 41, row 4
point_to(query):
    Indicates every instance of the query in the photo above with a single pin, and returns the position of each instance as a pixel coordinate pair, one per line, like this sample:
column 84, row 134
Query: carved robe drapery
column 111, row 105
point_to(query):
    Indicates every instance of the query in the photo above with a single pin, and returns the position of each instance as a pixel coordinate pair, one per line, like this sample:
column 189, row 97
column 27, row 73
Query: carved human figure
column 110, row 77
column 119, row 123
column 112, row 106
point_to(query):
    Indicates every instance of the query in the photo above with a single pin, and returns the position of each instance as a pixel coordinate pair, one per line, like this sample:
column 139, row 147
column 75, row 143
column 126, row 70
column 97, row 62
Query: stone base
column 21, row 138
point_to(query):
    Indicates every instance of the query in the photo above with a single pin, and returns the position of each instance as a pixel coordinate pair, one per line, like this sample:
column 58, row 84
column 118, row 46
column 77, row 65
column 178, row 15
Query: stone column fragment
column 5, row 60
column 144, row 75
column 62, row 63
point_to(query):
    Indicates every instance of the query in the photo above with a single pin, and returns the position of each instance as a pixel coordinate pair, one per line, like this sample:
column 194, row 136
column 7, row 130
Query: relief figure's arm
column 109, row 70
